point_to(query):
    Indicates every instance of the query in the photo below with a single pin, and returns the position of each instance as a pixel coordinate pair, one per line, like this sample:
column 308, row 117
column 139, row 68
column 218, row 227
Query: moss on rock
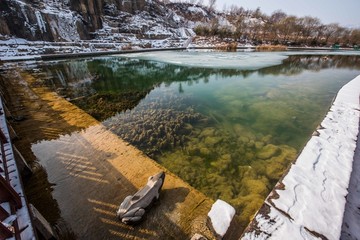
column 268, row 151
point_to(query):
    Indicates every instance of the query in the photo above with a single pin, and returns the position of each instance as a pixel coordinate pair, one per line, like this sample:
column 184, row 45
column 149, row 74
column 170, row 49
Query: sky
column 344, row 12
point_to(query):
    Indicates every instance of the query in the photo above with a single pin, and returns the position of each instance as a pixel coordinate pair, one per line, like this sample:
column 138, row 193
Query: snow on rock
column 221, row 214
column 197, row 10
column 40, row 21
column 309, row 202
column 63, row 23
column 175, row 17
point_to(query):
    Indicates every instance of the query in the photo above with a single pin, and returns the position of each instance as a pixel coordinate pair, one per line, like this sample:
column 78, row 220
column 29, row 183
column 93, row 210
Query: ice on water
column 213, row 59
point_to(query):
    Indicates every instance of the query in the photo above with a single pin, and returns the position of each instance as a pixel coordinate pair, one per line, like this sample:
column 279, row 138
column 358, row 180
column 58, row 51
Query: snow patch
column 40, row 21
column 221, row 214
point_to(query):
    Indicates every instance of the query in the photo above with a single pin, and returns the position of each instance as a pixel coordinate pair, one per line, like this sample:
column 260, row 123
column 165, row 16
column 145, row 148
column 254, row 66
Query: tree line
column 277, row 28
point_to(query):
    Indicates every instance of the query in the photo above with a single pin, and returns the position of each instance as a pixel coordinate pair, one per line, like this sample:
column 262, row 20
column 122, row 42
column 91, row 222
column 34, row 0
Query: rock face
column 91, row 12
column 38, row 21
column 71, row 20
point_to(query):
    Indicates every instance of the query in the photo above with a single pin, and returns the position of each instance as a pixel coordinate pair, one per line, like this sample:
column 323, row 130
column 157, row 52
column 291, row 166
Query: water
column 230, row 132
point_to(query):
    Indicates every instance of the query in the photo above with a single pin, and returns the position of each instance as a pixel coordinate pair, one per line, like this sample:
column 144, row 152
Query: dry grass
column 230, row 47
column 271, row 48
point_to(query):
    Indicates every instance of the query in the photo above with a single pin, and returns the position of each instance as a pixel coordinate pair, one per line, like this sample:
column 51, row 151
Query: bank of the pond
column 89, row 53
column 309, row 201
column 93, row 171
column 46, row 57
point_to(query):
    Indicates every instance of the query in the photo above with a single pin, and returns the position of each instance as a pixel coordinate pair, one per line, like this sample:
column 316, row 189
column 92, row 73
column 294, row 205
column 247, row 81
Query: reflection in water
column 229, row 133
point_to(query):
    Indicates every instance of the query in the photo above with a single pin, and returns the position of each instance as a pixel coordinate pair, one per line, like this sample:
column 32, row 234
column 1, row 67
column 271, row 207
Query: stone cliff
column 90, row 11
column 36, row 20
column 71, row 20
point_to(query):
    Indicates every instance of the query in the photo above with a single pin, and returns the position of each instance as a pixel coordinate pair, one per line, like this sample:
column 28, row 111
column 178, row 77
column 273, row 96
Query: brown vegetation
column 279, row 28
column 229, row 47
column 266, row 47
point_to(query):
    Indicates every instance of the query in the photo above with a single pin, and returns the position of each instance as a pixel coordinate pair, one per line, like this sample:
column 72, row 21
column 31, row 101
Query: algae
column 231, row 172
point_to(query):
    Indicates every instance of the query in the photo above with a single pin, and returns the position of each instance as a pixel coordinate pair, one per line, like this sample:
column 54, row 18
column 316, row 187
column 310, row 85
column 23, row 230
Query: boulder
column 220, row 217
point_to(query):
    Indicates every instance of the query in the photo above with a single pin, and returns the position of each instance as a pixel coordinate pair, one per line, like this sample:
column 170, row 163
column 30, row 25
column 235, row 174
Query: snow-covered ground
column 18, row 49
column 309, row 202
column 351, row 222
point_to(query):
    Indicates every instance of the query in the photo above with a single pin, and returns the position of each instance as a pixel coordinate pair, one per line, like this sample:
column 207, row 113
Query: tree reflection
column 108, row 82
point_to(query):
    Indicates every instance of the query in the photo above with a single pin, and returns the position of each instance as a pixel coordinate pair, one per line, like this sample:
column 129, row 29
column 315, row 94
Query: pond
column 227, row 123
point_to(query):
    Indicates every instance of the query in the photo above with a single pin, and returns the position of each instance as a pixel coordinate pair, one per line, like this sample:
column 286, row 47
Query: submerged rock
column 207, row 132
column 268, row 151
column 212, row 141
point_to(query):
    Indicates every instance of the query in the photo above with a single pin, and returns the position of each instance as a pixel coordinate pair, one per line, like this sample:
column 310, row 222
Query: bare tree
column 233, row 9
column 200, row 2
column 286, row 28
column 338, row 35
column 277, row 16
column 355, row 37
column 278, row 27
column 330, row 30
column 310, row 27
column 240, row 26
column 212, row 4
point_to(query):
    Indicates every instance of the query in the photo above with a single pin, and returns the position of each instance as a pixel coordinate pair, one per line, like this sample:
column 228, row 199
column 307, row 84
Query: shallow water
column 231, row 133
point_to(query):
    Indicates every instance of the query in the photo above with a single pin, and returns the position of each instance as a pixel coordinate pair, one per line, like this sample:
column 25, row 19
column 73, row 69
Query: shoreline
column 88, row 53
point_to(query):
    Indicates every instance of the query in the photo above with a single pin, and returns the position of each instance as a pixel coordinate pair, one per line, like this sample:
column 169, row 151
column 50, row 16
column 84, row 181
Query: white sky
column 344, row 12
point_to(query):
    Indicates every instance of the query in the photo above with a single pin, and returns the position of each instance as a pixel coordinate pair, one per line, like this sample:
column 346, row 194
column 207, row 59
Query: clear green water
column 229, row 133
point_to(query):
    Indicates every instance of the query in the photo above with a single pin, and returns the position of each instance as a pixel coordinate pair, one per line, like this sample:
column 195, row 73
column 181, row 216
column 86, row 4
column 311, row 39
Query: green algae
column 241, row 172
